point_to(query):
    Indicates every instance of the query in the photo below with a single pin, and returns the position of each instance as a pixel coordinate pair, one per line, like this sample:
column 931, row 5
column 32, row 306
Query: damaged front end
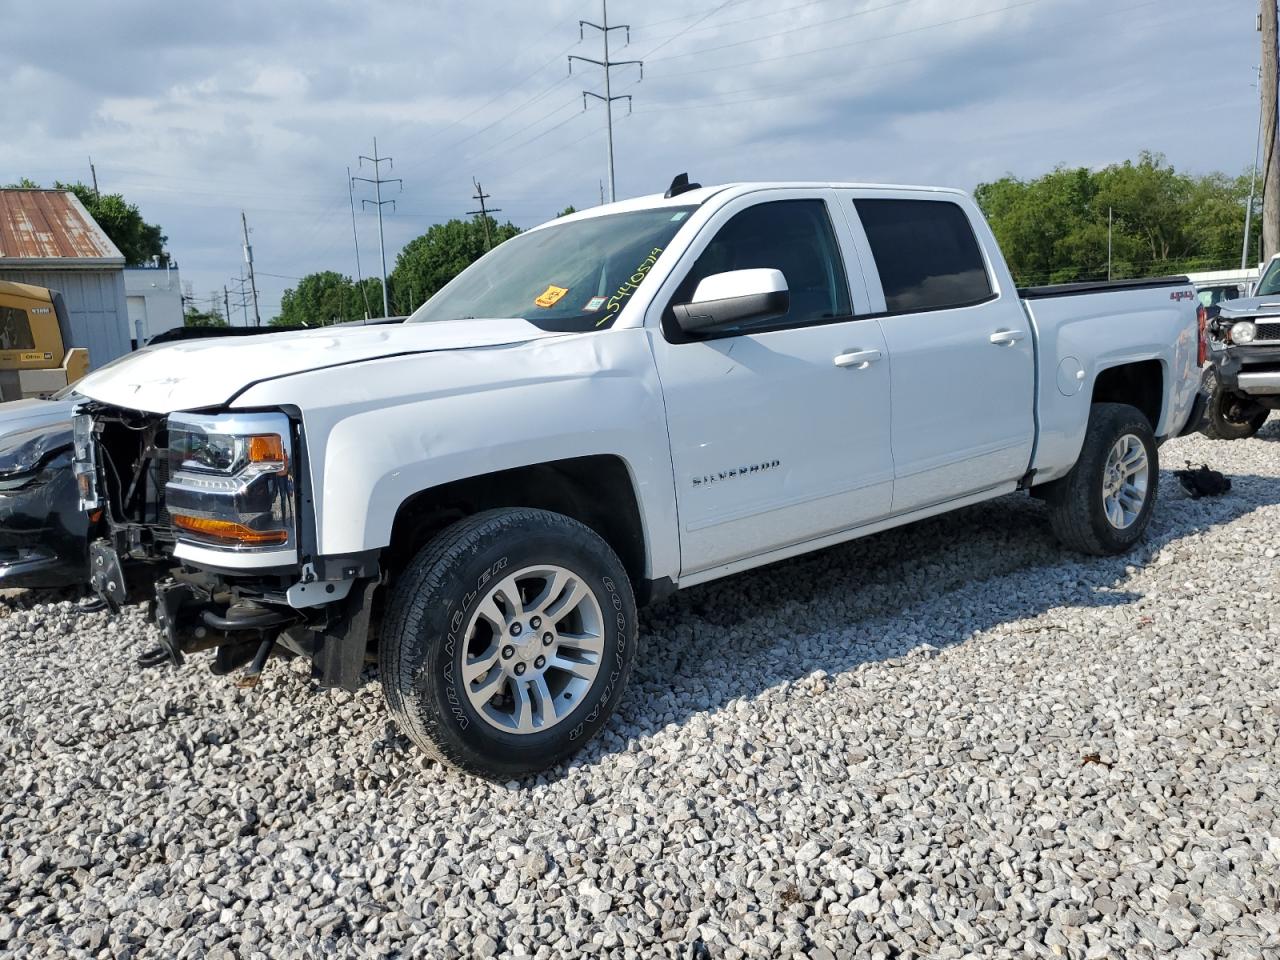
column 43, row 532
column 205, row 509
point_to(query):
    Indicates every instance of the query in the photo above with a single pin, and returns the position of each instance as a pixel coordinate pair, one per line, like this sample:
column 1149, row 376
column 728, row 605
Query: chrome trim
column 247, row 495
column 1261, row 383
column 248, row 559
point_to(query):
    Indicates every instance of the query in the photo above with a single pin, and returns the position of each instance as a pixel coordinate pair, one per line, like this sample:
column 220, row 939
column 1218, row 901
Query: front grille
column 162, row 478
column 1268, row 330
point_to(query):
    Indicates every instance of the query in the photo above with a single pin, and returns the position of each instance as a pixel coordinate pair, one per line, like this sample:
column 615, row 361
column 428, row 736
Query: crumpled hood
column 198, row 374
column 20, row 415
column 24, row 450
column 1248, row 307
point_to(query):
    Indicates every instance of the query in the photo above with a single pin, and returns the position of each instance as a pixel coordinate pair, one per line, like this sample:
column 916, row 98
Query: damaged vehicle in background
column 642, row 397
column 43, row 532
column 1244, row 347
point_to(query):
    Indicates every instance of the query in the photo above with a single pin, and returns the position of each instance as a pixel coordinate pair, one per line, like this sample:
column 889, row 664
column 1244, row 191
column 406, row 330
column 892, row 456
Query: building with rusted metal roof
column 48, row 238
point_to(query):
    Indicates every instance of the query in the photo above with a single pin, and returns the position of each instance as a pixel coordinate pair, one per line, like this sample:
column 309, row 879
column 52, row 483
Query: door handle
column 858, row 359
column 1004, row 338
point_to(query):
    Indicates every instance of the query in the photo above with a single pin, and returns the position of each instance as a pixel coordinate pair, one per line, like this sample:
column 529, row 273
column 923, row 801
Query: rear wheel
column 508, row 642
column 1230, row 416
column 1104, row 504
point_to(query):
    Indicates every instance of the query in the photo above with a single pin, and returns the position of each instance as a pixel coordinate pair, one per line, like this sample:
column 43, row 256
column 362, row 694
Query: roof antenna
column 680, row 185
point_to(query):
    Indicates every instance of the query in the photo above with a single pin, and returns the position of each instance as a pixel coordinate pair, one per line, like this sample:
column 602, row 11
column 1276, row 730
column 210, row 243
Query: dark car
column 43, row 533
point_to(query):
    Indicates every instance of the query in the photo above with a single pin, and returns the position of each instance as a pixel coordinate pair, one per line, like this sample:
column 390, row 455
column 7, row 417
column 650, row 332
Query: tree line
column 1054, row 228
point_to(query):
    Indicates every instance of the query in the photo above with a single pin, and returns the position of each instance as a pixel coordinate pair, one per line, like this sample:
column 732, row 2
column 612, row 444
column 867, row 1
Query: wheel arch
column 599, row 491
column 1138, row 383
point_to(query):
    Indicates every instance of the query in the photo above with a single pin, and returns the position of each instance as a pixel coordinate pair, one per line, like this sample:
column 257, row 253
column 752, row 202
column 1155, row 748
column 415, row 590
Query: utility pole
column 253, row 281
column 1108, row 243
column 1253, row 183
column 483, row 212
column 607, row 65
column 377, row 182
column 355, row 238
column 93, row 173
column 226, row 303
column 1270, row 138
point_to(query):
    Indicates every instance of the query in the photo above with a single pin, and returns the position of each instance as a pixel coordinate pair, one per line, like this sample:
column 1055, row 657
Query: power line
column 858, row 42
column 711, row 13
column 782, row 33
column 483, row 212
column 377, row 182
column 790, row 84
column 607, row 65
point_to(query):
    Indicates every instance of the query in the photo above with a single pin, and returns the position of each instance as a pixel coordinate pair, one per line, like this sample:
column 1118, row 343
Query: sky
column 197, row 111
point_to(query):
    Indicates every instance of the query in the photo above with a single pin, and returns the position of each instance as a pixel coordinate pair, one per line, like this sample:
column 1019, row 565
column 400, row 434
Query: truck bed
column 1098, row 286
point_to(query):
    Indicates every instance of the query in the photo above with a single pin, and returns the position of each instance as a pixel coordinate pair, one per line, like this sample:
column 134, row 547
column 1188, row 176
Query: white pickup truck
column 629, row 400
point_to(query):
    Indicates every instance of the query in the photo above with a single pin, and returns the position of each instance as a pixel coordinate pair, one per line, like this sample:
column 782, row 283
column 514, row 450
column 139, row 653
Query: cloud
column 196, row 111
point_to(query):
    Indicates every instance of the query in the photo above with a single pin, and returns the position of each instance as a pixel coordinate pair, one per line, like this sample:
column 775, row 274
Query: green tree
column 120, row 220
column 202, row 318
column 431, row 260
column 1054, row 229
column 566, row 211
column 325, row 298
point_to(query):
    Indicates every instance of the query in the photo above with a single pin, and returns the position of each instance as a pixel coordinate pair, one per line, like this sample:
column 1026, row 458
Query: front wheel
column 508, row 641
column 1104, row 504
column 1232, row 417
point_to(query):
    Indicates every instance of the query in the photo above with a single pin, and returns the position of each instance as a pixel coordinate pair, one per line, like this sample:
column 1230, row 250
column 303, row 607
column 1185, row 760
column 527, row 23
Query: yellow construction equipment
column 35, row 360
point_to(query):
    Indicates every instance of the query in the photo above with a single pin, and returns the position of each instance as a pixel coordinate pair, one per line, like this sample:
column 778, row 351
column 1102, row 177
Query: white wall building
column 154, row 297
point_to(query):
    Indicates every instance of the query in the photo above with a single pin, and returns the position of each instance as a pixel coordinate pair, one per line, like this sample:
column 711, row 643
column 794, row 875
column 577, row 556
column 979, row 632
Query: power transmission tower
column 253, row 281
column 483, row 212
column 242, row 296
column 607, row 65
column 356, row 240
column 1270, row 138
column 377, row 182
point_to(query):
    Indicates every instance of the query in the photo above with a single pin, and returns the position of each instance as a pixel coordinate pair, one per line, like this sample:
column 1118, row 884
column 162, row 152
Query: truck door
column 779, row 429
column 963, row 360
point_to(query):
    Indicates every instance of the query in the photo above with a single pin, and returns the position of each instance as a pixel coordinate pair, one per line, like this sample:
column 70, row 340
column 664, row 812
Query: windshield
column 1269, row 285
column 1211, row 296
column 574, row 276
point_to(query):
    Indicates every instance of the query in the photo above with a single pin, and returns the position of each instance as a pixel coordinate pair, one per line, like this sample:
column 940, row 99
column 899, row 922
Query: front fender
column 379, row 432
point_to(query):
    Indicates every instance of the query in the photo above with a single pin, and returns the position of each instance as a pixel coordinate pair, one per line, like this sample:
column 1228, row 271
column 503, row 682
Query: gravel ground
column 949, row 740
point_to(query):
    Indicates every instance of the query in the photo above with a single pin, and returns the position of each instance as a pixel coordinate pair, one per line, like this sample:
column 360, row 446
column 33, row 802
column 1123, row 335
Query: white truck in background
column 629, row 400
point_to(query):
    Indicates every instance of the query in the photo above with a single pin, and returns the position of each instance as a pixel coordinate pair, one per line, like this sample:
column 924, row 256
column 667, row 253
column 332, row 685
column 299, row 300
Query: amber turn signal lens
column 266, row 448
column 227, row 531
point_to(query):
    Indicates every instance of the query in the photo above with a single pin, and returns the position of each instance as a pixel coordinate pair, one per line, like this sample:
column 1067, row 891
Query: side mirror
column 738, row 296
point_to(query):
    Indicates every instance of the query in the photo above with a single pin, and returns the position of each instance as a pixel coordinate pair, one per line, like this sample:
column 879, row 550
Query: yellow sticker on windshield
column 551, row 296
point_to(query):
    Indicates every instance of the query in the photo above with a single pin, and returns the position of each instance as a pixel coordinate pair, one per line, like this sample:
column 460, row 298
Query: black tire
column 1076, row 506
column 422, row 644
column 1228, row 417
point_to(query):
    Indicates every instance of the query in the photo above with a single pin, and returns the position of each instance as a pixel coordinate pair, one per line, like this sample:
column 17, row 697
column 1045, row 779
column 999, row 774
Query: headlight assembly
column 232, row 481
column 1243, row 331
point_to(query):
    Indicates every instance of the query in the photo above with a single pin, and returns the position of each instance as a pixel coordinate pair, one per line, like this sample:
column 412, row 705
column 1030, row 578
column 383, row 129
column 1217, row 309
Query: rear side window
column 15, row 332
column 926, row 254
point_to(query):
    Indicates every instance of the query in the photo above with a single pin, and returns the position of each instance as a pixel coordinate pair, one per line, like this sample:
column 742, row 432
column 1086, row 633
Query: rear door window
column 926, row 254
